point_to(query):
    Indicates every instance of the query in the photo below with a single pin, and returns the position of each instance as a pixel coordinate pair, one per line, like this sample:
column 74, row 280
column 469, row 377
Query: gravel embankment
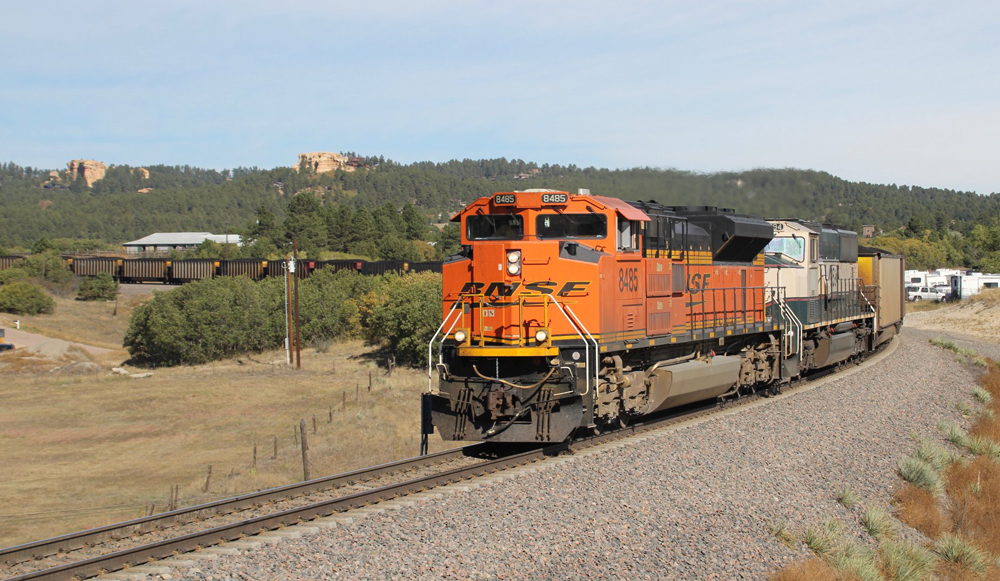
column 689, row 504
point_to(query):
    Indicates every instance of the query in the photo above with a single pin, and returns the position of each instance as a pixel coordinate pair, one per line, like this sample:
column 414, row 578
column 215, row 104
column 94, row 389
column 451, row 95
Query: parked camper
column 964, row 286
column 925, row 278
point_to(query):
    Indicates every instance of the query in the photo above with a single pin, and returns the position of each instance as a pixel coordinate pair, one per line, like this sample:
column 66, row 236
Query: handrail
column 586, row 350
column 597, row 350
column 797, row 326
column 430, row 345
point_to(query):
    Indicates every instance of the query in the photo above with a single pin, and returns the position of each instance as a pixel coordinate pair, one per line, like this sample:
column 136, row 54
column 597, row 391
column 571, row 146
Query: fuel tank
column 692, row 381
column 834, row 349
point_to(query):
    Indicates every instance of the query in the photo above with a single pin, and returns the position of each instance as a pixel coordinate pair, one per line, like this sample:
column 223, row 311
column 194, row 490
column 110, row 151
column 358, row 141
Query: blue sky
column 884, row 92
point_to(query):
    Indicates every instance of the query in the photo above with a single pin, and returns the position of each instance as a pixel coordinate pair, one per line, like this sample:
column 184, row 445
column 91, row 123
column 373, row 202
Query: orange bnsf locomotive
column 571, row 312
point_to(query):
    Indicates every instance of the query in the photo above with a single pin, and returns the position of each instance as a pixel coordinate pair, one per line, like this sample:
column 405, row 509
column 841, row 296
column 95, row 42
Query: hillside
column 194, row 199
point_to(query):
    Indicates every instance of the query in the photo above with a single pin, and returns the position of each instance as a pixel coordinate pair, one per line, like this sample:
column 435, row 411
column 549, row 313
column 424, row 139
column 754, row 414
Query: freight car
column 566, row 313
column 10, row 261
column 161, row 270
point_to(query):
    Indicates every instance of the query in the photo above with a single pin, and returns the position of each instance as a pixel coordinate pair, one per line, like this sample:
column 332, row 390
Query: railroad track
column 137, row 542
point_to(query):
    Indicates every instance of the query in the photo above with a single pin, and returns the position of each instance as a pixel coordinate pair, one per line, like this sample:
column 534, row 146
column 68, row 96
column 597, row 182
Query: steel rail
column 117, row 531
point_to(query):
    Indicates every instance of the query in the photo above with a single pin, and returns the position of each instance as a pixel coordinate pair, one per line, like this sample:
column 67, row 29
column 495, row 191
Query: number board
column 504, row 199
column 554, row 198
column 2, row 331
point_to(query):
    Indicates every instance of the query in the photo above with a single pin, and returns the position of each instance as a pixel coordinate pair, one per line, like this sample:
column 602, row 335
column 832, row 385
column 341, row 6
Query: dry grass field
column 105, row 447
column 979, row 315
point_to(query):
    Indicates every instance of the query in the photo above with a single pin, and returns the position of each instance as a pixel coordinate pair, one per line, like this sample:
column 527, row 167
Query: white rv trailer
column 964, row 286
column 924, row 278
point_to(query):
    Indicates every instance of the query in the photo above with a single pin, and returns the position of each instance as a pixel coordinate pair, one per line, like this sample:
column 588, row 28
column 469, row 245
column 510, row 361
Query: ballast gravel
column 692, row 503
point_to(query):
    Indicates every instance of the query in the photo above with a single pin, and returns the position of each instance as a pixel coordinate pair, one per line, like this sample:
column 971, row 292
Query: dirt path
column 22, row 339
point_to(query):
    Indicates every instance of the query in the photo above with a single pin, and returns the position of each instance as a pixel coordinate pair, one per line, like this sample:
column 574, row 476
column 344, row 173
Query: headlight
column 460, row 336
column 541, row 335
column 514, row 256
column 513, row 268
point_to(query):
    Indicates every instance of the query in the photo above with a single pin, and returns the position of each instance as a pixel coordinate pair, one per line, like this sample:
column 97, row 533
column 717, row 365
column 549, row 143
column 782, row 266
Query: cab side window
column 628, row 240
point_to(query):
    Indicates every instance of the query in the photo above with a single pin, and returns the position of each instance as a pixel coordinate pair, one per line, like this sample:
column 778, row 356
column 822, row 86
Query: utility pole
column 298, row 346
column 289, row 268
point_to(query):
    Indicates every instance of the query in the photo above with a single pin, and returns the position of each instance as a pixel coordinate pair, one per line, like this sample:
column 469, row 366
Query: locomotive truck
column 567, row 313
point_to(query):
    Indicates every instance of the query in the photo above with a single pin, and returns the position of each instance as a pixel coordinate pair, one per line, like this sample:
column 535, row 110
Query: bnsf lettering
column 499, row 289
column 628, row 279
column 507, row 290
column 545, row 287
column 698, row 282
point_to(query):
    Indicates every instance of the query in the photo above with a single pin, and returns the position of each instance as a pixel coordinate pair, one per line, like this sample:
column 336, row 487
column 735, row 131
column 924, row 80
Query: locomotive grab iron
column 571, row 312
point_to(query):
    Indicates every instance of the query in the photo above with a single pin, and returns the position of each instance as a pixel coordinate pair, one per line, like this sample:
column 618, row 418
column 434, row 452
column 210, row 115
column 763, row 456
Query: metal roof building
column 167, row 241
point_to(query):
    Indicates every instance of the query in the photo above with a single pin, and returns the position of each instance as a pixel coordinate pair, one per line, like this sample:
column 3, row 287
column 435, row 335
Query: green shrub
column 207, row 320
column 22, row 298
column 51, row 268
column 98, row 288
column 213, row 319
column 405, row 321
column 11, row 274
column 330, row 304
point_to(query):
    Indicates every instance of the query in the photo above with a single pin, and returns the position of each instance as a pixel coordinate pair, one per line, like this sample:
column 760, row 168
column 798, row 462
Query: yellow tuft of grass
column 987, row 298
column 812, row 569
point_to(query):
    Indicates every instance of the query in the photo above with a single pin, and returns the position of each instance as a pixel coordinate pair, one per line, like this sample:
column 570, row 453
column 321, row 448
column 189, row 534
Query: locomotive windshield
column 494, row 227
column 571, row 226
column 794, row 248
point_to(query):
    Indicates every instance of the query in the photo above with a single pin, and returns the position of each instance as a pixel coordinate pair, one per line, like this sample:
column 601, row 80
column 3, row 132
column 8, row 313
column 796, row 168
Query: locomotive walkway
column 689, row 503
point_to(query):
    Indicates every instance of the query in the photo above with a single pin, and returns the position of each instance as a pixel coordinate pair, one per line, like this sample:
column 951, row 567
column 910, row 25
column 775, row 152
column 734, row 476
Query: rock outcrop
column 90, row 169
column 323, row 161
column 142, row 172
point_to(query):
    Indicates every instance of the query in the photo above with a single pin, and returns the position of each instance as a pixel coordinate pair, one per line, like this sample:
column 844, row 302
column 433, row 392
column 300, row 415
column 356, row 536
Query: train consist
column 566, row 313
column 162, row 270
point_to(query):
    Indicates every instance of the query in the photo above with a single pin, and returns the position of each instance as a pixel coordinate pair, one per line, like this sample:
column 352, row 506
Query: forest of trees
column 385, row 211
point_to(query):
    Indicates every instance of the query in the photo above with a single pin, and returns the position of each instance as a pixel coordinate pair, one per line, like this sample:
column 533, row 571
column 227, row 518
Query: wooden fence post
column 208, row 479
column 314, row 425
column 305, row 451
column 275, row 455
column 329, row 417
column 369, row 380
column 343, row 402
column 253, row 466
